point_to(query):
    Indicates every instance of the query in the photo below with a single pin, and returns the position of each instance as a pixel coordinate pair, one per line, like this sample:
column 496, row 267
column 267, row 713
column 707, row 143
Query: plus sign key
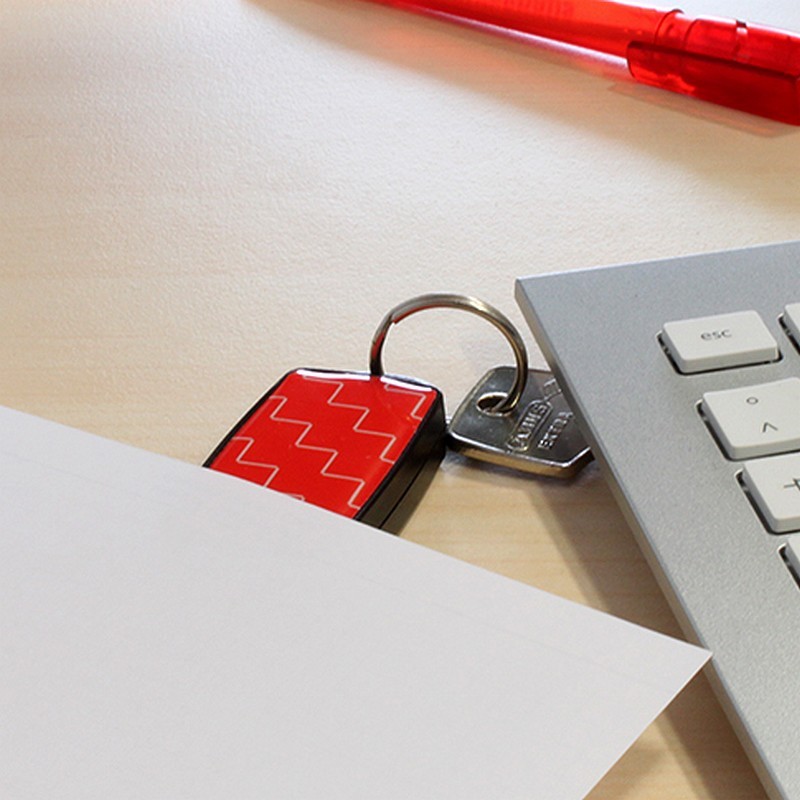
column 774, row 485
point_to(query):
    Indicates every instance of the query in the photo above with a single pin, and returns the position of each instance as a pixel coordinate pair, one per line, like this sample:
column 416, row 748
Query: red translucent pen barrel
column 749, row 67
column 599, row 25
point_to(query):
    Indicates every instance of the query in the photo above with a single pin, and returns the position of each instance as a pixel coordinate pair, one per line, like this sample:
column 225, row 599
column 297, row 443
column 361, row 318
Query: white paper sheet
column 170, row 632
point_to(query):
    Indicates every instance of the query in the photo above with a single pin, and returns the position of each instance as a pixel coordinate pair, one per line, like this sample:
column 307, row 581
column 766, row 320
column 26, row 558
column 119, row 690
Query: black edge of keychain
column 399, row 494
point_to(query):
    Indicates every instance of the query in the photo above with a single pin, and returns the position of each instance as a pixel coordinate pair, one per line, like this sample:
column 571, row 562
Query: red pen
column 753, row 68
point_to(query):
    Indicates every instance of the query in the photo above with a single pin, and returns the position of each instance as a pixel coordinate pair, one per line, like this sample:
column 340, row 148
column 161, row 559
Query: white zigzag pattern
column 356, row 428
column 308, row 426
column 393, row 387
column 240, row 459
column 334, row 453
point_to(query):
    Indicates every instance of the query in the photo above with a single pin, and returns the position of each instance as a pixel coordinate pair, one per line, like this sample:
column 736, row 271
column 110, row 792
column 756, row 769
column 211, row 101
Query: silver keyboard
column 684, row 375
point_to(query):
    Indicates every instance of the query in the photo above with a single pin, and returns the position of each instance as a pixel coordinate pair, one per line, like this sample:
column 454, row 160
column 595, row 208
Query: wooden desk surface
column 199, row 196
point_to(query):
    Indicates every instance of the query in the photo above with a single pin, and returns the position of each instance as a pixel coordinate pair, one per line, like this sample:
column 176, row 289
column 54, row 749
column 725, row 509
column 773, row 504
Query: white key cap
column 791, row 316
column 756, row 420
column 774, row 485
column 726, row 340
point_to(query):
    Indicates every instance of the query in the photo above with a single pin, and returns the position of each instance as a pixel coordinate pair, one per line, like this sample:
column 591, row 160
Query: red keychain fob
column 365, row 445
column 362, row 445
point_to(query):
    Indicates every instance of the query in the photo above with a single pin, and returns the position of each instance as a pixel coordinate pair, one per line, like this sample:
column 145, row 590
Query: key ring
column 424, row 302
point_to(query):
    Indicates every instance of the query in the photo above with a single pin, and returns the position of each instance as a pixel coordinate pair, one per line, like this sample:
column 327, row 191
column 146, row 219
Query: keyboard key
column 756, row 420
column 726, row 340
column 791, row 316
column 774, row 485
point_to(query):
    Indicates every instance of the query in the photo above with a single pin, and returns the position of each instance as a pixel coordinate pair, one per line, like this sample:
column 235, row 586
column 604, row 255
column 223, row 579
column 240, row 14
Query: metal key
column 514, row 417
column 538, row 434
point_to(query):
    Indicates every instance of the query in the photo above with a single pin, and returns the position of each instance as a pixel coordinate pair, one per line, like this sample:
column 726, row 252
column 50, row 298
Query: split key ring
column 423, row 302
